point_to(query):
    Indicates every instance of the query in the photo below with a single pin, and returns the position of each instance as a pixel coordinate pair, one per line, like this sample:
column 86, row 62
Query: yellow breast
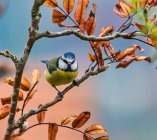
column 60, row 77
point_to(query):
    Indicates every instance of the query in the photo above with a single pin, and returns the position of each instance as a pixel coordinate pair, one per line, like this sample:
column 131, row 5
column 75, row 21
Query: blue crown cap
column 69, row 55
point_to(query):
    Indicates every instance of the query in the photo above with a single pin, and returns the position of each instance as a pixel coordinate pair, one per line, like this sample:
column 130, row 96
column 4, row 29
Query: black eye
column 64, row 61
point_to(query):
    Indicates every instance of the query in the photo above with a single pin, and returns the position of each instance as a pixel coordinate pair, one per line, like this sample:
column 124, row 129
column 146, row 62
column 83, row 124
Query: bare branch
column 57, row 98
column 8, row 54
column 77, row 33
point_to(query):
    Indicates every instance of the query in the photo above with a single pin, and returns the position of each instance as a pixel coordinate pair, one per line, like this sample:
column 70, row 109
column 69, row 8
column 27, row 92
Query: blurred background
column 124, row 101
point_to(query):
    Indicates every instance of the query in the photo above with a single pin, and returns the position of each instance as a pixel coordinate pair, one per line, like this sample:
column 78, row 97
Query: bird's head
column 67, row 62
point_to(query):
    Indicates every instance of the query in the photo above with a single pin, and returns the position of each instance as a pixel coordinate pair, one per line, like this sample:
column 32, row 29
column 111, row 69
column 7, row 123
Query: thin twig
column 24, row 103
column 141, row 41
column 8, row 54
column 63, row 126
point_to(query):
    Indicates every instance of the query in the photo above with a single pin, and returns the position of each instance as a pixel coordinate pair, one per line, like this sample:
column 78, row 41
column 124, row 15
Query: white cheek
column 62, row 65
column 74, row 66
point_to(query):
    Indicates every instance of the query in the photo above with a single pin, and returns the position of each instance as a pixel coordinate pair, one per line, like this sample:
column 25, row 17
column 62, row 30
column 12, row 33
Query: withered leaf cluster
column 25, row 93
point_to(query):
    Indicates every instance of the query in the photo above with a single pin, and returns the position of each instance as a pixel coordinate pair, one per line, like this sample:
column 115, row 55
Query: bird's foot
column 76, row 82
column 61, row 95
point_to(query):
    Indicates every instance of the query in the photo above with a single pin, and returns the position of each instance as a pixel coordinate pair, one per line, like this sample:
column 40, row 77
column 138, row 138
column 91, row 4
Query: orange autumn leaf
column 52, row 131
column 96, row 129
column 57, row 16
column 146, row 58
column 6, row 100
column 99, row 55
column 81, row 120
column 123, row 9
column 68, row 120
column 126, row 7
column 4, row 111
column 106, row 30
column 51, row 3
column 91, row 57
column 68, row 5
column 102, row 138
column 129, row 51
column 85, row 137
column 90, row 24
column 25, row 84
column 80, row 13
column 35, row 76
column 41, row 115
column 20, row 98
column 143, row 3
column 9, row 81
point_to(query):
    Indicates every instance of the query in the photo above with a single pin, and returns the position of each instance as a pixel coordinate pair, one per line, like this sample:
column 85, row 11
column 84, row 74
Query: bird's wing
column 52, row 65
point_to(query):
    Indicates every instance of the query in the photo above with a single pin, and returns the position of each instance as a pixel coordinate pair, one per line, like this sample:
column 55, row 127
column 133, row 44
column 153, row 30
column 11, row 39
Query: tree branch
column 57, row 98
column 77, row 33
column 8, row 54
column 21, row 64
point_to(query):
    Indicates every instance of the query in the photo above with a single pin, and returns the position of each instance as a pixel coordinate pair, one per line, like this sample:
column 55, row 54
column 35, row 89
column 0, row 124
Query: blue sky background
column 126, row 98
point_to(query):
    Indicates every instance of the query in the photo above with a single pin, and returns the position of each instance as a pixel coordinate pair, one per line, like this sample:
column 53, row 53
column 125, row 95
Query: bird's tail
column 45, row 61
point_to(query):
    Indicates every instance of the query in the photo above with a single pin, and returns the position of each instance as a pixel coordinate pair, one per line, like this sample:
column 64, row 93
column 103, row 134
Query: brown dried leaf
column 52, row 131
column 25, row 84
column 99, row 55
column 143, row 3
column 96, row 129
column 68, row 120
column 51, row 3
column 31, row 95
column 81, row 120
column 9, row 81
column 80, row 13
column 85, row 137
column 106, row 30
column 4, row 111
column 102, row 138
column 41, row 115
column 90, row 24
column 120, row 14
column 126, row 7
column 152, row 2
column 35, row 76
column 57, row 16
column 146, row 58
column 68, row 5
column 124, row 64
column 6, row 100
column 129, row 52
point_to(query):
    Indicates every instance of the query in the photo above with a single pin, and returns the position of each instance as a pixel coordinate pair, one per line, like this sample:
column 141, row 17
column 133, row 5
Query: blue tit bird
column 61, row 70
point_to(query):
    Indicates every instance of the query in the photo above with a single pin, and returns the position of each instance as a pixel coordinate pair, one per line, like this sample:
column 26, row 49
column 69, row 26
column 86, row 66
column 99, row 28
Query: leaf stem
column 63, row 126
